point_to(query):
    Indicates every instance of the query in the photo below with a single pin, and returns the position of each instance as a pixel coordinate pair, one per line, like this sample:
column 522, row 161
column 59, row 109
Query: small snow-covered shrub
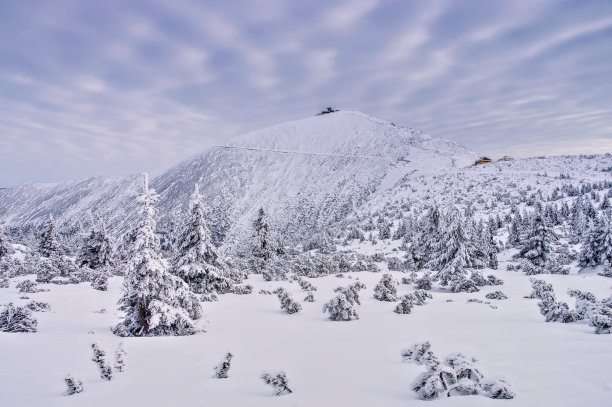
column 27, row 286
column 496, row 389
column 99, row 357
column 585, row 301
column 340, row 308
column 492, row 280
column 457, row 375
column 4, row 282
column 265, row 292
column 540, row 289
column 278, row 381
column 17, row 319
column 212, row 297
column 386, row 289
column 120, row 358
column 600, row 316
column 242, row 289
column 99, row 280
column 405, row 306
column 222, row 369
column 496, row 295
column 73, row 385
column 37, row 306
column 461, row 284
column 287, row 302
column 409, row 300
column 306, row 285
column 410, row 279
column 556, row 311
column 309, row 297
column 425, row 282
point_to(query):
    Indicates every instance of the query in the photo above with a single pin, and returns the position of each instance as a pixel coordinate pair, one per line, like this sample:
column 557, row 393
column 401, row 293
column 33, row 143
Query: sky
column 91, row 88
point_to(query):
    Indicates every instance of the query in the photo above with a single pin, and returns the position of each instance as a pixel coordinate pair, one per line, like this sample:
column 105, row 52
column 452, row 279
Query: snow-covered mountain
column 307, row 174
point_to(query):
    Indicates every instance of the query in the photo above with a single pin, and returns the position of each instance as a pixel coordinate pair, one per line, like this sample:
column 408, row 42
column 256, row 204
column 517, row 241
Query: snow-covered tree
column 278, row 381
column 73, row 385
column 287, row 302
column 262, row 246
column 198, row 263
column 17, row 319
column 538, row 248
column 155, row 301
column 222, row 369
column 97, row 249
column 49, row 244
column 99, row 357
column 386, row 289
column 341, row 307
column 600, row 316
column 597, row 247
column 4, row 246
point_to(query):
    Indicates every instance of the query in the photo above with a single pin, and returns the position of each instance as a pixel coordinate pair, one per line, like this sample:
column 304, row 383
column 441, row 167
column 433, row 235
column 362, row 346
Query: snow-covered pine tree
column 99, row 357
column 455, row 253
column 73, row 385
column 262, row 247
column 538, row 246
column 278, row 381
column 49, row 244
column 155, row 302
column 198, row 263
column 4, row 246
column 386, row 289
column 222, row 369
column 597, row 247
column 97, row 249
column 600, row 316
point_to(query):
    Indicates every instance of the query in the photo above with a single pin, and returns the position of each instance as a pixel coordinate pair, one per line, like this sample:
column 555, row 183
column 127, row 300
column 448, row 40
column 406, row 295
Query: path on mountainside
column 364, row 157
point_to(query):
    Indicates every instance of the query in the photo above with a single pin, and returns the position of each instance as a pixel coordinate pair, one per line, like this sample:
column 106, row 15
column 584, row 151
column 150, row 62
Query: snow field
column 355, row 363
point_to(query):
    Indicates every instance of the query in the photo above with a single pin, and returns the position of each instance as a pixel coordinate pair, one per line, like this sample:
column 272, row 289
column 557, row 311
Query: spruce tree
column 97, row 249
column 155, row 302
column 538, row 247
column 198, row 263
column 49, row 245
column 262, row 247
column 597, row 247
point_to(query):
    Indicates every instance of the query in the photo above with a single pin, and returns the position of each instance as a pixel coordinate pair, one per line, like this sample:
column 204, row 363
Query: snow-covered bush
column 306, row 285
column 73, row 385
column 120, row 354
column 278, row 381
column 17, row 319
column 496, row 295
column 540, row 289
column 405, row 306
column 556, row 311
column 4, row 282
column 340, row 308
column 457, row 375
column 585, row 301
column 459, row 283
column 36, row 306
column 222, row 369
column 386, row 289
column 492, row 280
column 242, row 289
column 99, row 279
column 425, row 282
column 409, row 300
column 99, row 357
column 309, row 297
column 287, row 302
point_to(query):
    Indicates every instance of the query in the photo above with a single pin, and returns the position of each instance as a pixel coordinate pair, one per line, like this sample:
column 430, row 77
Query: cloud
column 116, row 87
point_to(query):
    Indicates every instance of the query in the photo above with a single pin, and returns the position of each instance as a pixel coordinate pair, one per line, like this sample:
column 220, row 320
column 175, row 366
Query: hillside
column 308, row 174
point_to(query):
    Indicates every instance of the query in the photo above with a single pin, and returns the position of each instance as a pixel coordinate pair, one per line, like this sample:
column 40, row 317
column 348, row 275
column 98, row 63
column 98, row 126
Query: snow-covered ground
column 328, row 363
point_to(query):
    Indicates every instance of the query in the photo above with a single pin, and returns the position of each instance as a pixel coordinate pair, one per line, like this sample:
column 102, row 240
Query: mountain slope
column 306, row 174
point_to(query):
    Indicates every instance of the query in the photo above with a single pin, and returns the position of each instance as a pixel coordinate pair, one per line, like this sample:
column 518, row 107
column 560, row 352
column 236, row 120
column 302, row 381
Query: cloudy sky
column 114, row 87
